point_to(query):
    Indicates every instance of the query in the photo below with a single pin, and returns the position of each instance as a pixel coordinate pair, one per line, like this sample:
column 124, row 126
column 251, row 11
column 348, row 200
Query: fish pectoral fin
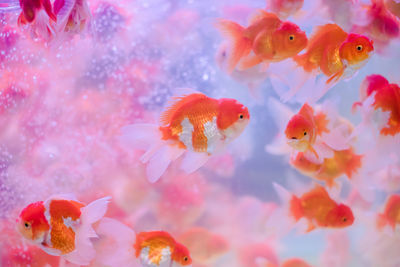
column 336, row 76
column 311, row 226
column 249, row 62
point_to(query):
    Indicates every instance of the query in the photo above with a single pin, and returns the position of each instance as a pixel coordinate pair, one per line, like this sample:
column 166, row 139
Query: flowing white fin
column 115, row 245
column 192, row 161
column 62, row 9
column 84, row 252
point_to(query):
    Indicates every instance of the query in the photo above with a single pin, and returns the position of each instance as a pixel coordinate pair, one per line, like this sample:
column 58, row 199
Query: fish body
column 391, row 213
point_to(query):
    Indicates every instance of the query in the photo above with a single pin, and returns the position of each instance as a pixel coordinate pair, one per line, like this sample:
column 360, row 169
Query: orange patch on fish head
column 289, row 40
column 233, row 117
column 181, row 255
column 299, row 132
column 341, row 216
column 356, row 49
column 32, row 223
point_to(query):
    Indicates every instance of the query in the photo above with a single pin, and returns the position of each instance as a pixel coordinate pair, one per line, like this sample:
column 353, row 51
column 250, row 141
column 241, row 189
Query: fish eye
column 305, row 133
column 185, row 258
column 359, row 47
column 344, row 219
column 294, row 138
column 291, row 37
column 241, row 116
column 27, row 225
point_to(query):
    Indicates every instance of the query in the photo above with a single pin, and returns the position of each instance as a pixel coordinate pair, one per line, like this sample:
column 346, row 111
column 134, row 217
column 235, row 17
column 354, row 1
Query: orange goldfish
column 195, row 124
column 304, row 127
column 393, row 6
column 158, row 247
column 291, row 263
column 343, row 162
column 284, row 8
column 269, row 38
column 320, row 210
column 336, row 53
column 391, row 214
column 382, row 95
column 61, row 226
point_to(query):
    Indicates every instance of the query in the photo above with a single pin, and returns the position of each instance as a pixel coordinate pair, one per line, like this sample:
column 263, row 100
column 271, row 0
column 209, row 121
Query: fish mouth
column 299, row 145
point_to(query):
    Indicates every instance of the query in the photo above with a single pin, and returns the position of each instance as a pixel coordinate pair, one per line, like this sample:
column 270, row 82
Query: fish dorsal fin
column 321, row 30
column 307, row 111
column 320, row 190
column 176, row 103
column 261, row 14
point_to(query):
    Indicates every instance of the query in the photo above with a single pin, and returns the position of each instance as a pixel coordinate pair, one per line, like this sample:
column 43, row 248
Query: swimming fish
column 158, row 248
column 344, row 162
column 377, row 94
column 194, row 124
column 284, row 8
column 317, row 207
column 302, row 129
column 393, row 6
column 269, row 39
column 62, row 226
column 391, row 213
column 335, row 53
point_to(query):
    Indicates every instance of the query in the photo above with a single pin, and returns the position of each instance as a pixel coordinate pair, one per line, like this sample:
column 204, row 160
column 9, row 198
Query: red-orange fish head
column 233, row 117
column 289, row 40
column 356, row 49
column 340, row 217
column 371, row 84
column 299, row 132
column 32, row 223
column 181, row 255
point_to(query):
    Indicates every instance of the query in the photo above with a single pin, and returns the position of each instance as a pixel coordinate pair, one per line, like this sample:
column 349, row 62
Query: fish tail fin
column 49, row 10
column 159, row 154
column 381, row 221
column 121, row 253
column 304, row 62
column 241, row 46
column 354, row 164
column 43, row 27
column 84, row 252
column 295, row 208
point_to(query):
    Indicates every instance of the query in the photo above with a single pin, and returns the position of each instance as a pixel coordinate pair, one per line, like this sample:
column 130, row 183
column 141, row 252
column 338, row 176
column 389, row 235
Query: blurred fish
column 258, row 254
column 317, row 207
column 393, row 6
column 343, row 162
column 62, row 226
column 391, row 213
column 382, row 25
column 159, row 248
column 378, row 96
column 72, row 15
column 295, row 262
column 194, row 124
column 331, row 52
column 269, row 39
column 284, row 8
column 205, row 247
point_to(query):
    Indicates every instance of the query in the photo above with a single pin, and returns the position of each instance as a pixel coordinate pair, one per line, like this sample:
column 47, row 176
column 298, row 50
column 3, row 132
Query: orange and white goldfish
column 393, row 6
column 62, row 226
column 205, row 247
column 382, row 25
column 318, row 208
column 72, row 15
column 377, row 94
column 159, row 248
column 343, row 162
column 284, row 8
column 269, row 39
column 194, row 124
column 391, row 213
column 335, row 53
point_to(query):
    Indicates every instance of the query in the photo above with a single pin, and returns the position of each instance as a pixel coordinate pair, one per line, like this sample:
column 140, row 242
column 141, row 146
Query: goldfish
column 269, row 39
column 376, row 93
column 391, row 213
column 284, row 8
column 343, row 162
column 393, row 6
column 36, row 13
column 158, row 247
column 318, row 208
column 382, row 27
column 335, row 53
column 194, row 124
column 205, row 247
column 73, row 15
column 62, row 226
column 295, row 262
